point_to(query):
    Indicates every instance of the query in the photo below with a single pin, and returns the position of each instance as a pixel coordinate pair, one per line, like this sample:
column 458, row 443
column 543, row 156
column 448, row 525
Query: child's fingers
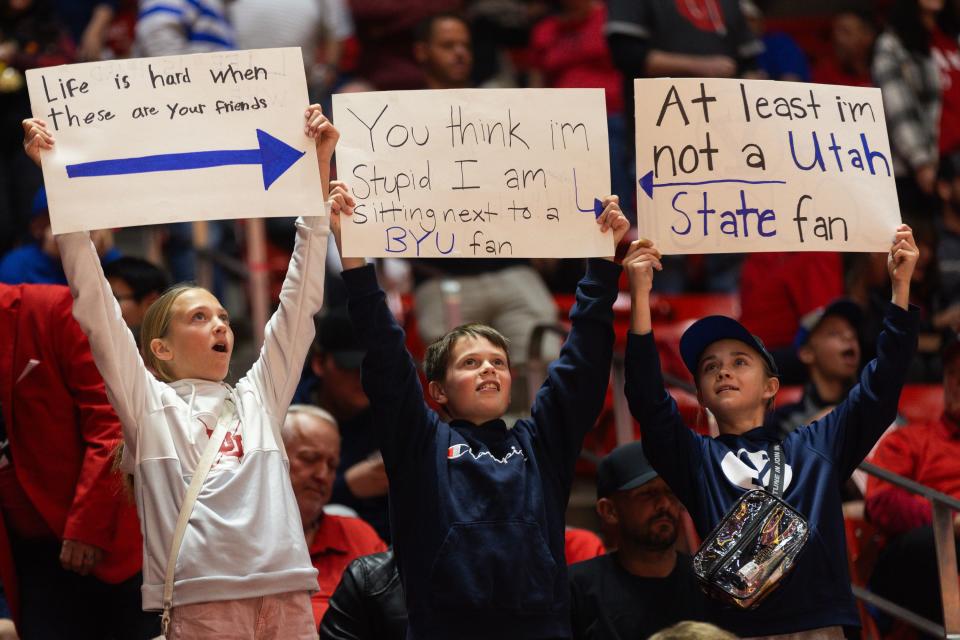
column 611, row 199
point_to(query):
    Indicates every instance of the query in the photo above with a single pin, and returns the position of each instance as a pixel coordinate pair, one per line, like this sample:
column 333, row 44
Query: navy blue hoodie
column 477, row 511
column 710, row 474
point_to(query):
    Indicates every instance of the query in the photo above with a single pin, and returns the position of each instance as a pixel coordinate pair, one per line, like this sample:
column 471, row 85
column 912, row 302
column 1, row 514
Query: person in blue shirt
column 737, row 382
column 477, row 507
column 38, row 262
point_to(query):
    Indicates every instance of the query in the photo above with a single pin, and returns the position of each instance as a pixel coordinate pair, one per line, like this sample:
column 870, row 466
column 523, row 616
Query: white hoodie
column 245, row 538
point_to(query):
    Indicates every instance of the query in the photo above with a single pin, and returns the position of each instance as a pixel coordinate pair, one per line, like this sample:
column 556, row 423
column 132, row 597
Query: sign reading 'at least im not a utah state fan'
column 474, row 172
column 756, row 165
column 177, row 138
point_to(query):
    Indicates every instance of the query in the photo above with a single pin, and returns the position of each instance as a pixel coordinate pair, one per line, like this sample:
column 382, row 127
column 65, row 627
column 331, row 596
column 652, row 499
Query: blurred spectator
column 176, row 27
column 88, row 22
column 568, row 50
column 778, row 289
column 385, row 29
column 782, row 57
column 30, row 37
column 907, row 74
column 361, row 481
column 318, row 27
column 853, row 32
column 136, row 283
column 827, row 345
column 73, row 533
column 368, row 603
column 645, row 585
column 443, row 50
column 313, row 447
column 906, row 571
column 38, row 262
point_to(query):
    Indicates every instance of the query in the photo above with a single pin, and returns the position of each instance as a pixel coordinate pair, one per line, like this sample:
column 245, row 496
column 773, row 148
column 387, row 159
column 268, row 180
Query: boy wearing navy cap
column 737, row 382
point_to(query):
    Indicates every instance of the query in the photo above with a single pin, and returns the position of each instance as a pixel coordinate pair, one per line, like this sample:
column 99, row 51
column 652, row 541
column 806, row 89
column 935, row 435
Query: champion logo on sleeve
column 459, row 450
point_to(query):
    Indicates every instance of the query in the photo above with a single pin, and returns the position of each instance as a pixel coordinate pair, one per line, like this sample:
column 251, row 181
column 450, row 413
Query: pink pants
column 285, row 616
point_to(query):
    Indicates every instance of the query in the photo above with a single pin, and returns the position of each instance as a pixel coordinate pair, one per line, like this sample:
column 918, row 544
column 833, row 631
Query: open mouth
column 220, row 347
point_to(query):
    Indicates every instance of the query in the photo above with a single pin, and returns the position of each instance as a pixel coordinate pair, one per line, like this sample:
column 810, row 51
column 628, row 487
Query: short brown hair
column 156, row 324
column 438, row 354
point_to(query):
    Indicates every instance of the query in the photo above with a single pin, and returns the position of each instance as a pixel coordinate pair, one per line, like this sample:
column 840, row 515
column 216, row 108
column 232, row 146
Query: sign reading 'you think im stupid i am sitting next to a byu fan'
column 177, row 138
column 474, row 172
column 755, row 165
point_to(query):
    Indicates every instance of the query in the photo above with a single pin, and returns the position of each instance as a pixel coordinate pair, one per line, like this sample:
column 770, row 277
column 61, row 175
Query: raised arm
column 670, row 445
column 290, row 330
column 850, row 431
column 98, row 312
column 389, row 373
column 569, row 401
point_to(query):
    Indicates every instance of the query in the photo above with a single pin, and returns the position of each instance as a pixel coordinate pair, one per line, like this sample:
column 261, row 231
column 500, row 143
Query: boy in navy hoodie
column 737, row 381
column 477, row 508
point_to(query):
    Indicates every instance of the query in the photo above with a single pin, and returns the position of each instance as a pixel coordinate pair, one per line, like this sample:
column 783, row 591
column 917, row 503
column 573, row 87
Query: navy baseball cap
column 624, row 468
column 706, row 331
column 843, row 307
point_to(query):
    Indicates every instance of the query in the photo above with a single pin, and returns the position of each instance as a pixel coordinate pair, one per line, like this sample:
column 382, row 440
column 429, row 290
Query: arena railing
column 943, row 507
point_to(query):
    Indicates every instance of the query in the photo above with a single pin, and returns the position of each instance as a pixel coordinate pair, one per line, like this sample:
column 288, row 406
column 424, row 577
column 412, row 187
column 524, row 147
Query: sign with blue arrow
column 273, row 156
column 177, row 138
column 735, row 166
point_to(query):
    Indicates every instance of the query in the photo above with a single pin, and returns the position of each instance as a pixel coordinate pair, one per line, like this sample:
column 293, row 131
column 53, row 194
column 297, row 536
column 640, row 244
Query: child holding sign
column 737, row 382
column 243, row 567
column 477, row 508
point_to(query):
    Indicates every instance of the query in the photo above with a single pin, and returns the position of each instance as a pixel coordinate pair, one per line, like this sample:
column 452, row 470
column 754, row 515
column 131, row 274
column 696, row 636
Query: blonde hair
column 693, row 631
column 156, row 324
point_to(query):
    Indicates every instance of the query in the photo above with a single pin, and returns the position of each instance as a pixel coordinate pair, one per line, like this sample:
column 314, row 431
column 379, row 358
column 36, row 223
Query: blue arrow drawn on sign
column 597, row 205
column 274, row 157
column 646, row 183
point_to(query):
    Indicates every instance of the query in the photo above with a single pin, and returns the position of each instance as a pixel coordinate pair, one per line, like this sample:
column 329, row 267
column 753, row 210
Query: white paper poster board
column 732, row 166
column 177, row 138
column 479, row 173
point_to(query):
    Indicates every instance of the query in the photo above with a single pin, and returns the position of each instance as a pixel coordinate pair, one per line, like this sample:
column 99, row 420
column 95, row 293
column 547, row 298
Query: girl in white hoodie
column 243, row 569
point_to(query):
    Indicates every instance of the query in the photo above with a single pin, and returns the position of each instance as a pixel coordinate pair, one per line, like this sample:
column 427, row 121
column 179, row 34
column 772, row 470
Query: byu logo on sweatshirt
column 751, row 469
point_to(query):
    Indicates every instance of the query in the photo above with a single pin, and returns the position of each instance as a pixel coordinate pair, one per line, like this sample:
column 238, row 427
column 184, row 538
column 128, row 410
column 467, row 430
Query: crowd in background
column 818, row 314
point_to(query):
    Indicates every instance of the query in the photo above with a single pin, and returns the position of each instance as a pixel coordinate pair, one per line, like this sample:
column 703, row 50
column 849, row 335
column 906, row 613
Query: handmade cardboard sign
column 177, row 138
column 731, row 166
column 474, row 172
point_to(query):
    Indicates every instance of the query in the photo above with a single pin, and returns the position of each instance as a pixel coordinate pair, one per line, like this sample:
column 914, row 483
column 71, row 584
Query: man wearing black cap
column 645, row 585
column 928, row 453
column 361, row 482
column 827, row 344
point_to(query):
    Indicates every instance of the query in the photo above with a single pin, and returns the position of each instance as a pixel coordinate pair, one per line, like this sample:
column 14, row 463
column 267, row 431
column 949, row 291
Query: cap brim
column 706, row 331
column 639, row 480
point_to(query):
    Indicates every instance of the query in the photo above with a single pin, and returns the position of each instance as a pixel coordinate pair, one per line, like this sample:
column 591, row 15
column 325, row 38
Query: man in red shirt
column 70, row 546
column 312, row 440
column 927, row 453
